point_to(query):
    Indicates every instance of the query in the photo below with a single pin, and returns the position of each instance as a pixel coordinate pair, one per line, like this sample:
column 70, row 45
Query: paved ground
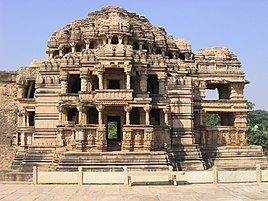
column 209, row 192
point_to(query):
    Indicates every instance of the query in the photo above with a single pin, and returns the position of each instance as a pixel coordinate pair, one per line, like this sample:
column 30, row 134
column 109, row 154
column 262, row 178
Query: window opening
column 74, row 84
column 135, row 116
column 114, row 40
column 72, row 115
column 152, row 84
column 92, row 116
column 31, row 118
column 30, row 89
column 114, row 84
column 181, row 56
column 135, row 45
column 155, row 116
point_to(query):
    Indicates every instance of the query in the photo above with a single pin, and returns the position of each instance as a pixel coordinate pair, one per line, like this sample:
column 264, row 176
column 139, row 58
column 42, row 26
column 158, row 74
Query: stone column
column 63, row 81
column 100, row 77
column 143, row 83
column 73, row 47
column 147, row 109
column 22, row 140
column 166, row 112
column 128, row 80
column 82, row 114
column 60, row 109
column 84, row 81
column 127, row 110
column 27, row 119
column 161, row 85
column 100, row 109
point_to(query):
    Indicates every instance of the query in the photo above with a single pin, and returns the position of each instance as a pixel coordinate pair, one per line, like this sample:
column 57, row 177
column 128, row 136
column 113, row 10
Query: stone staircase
column 113, row 161
column 186, row 157
column 40, row 157
column 234, row 156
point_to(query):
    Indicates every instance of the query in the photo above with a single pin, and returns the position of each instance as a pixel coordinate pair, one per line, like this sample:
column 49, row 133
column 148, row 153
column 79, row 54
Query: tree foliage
column 258, row 127
column 213, row 120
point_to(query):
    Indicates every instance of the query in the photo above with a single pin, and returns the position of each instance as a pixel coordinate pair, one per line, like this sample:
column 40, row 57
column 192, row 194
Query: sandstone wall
column 8, row 93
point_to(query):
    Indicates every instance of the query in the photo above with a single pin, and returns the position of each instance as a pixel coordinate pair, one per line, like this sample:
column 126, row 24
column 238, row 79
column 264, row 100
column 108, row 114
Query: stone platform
column 203, row 192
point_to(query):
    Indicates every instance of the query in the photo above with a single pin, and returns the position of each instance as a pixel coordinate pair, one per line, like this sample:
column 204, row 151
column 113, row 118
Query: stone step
column 150, row 160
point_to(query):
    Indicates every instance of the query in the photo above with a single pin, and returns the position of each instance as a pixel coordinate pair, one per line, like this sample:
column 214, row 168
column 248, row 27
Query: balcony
column 69, row 98
column 224, row 105
column 114, row 94
column 86, row 96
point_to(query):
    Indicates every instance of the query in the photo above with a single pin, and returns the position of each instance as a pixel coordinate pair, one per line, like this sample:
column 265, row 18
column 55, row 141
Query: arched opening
column 169, row 55
column 66, row 50
column 145, row 47
column 79, row 47
column 135, row 45
column 56, row 53
column 181, row 56
column 114, row 40
column 158, row 51
column 92, row 45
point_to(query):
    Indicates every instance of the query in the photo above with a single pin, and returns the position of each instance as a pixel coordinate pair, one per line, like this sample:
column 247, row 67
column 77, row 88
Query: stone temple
column 116, row 90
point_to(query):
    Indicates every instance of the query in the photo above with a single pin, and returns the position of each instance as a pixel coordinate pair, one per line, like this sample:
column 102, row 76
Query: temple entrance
column 113, row 133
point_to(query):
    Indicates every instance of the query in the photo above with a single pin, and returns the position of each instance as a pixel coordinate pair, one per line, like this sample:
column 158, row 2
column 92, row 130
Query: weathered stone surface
column 115, row 82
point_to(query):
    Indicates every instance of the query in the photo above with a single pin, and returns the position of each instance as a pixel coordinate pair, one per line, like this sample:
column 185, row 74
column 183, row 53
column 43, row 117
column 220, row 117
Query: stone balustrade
column 137, row 138
column 224, row 105
column 71, row 98
column 221, row 135
column 86, row 96
column 114, row 94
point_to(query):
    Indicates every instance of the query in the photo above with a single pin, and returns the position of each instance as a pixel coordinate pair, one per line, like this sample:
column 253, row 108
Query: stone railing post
column 125, row 175
column 215, row 174
column 258, row 173
column 35, row 175
column 80, row 176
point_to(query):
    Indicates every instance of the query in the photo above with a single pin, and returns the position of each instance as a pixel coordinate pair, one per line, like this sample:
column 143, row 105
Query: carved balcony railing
column 114, row 94
column 69, row 98
column 221, row 136
column 137, row 138
column 86, row 96
column 224, row 105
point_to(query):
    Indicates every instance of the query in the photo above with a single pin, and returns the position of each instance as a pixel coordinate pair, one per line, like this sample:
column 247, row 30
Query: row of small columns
column 85, row 78
column 25, row 118
column 127, row 109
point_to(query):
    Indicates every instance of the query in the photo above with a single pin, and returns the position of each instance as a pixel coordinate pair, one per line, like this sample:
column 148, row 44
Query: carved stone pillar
column 22, row 140
column 84, row 81
column 82, row 114
column 147, row 109
column 63, row 79
column 161, row 86
column 127, row 109
column 100, row 77
column 100, row 109
column 143, row 83
column 166, row 112
column 128, row 80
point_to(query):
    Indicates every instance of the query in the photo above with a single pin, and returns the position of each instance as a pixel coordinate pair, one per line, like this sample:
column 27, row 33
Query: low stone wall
column 260, row 174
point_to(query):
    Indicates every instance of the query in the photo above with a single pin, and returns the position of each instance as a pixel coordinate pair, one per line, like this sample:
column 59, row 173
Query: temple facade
column 115, row 82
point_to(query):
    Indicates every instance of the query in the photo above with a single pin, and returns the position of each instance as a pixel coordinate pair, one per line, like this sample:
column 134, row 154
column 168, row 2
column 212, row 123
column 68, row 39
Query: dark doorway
column 114, row 84
column 113, row 133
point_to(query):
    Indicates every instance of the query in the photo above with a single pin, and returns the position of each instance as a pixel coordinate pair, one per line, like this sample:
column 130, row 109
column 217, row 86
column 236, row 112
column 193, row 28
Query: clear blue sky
column 240, row 25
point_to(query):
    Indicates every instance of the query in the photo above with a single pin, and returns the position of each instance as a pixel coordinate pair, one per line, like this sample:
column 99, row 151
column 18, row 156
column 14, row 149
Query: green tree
column 213, row 120
column 258, row 127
